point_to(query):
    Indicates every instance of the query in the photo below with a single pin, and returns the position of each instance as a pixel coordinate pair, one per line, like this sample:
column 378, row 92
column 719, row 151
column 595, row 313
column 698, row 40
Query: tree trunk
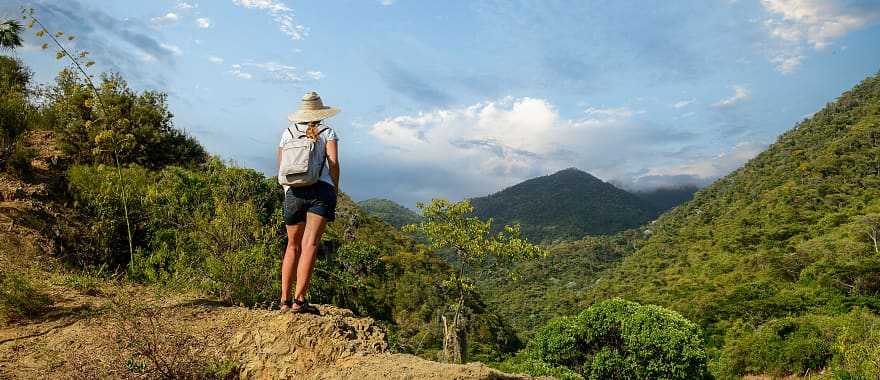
column 452, row 343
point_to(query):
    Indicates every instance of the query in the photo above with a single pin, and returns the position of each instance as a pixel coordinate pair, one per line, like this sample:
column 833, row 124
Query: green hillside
column 778, row 259
column 389, row 211
column 566, row 205
column 666, row 198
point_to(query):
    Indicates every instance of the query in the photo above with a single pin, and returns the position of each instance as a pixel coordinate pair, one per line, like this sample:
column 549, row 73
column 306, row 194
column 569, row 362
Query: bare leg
column 311, row 237
column 291, row 258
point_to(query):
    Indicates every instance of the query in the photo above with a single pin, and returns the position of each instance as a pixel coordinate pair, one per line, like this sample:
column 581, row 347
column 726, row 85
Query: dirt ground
column 173, row 336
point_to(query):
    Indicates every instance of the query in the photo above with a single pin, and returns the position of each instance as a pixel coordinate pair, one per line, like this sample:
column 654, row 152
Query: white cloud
column 203, row 22
column 144, row 56
column 184, row 6
column 169, row 18
column 239, row 73
column 281, row 13
column 386, row 2
column 215, row 59
column 275, row 72
column 174, row 49
column 787, row 62
column 740, row 94
column 609, row 114
column 494, row 144
column 712, row 167
column 816, row 24
column 684, row 103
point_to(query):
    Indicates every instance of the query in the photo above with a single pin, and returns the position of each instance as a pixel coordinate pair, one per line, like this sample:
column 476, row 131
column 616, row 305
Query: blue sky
column 462, row 98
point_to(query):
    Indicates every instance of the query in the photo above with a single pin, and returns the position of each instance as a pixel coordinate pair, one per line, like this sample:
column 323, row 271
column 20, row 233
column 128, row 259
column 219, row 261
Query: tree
column 14, row 107
column 872, row 229
column 450, row 226
column 617, row 339
column 10, row 35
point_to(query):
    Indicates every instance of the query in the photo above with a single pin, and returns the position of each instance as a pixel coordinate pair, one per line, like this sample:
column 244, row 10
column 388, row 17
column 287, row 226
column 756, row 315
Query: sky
column 460, row 99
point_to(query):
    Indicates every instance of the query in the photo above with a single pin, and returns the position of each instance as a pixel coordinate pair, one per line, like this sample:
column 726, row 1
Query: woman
column 308, row 209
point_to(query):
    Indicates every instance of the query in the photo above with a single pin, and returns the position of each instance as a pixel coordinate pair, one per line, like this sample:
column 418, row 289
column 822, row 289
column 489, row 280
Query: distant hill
column 566, row 205
column 665, row 199
column 389, row 211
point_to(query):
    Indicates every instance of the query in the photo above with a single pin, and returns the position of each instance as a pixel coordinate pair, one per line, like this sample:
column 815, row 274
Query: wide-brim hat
column 311, row 108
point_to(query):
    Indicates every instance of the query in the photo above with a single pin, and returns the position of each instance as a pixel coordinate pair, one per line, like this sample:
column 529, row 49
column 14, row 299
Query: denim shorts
column 319, row 198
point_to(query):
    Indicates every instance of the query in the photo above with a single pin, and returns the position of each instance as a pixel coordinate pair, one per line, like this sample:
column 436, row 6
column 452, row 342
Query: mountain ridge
column 565, row 205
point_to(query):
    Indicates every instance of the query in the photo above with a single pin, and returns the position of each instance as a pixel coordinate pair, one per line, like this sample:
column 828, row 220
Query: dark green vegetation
column 389, row 212
column 616, row 339
column 200, row 224
column 666, row 198
column 476, row 251
column 777, row 261
column 552, row 286
column 569, row 204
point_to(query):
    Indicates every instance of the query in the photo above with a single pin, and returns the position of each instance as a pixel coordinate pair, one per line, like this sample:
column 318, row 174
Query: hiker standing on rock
column 308, row 169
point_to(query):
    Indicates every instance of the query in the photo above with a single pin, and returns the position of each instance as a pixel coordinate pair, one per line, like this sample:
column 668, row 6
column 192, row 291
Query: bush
column 14, row 108
column 20, row 297
column 845, row 345
column 103, row 239
column 617, row 339
column 141, row 131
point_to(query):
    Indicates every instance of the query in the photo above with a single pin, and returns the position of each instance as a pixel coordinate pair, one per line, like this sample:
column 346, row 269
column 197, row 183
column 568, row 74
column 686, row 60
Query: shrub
column 97, row 196
column 844, row 344
column 20, row 297
column 14, row 108
column 617, row 339
column 141, row 131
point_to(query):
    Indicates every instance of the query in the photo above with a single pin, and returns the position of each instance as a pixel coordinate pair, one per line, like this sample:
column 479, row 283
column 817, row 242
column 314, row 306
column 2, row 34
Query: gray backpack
column 300, row 165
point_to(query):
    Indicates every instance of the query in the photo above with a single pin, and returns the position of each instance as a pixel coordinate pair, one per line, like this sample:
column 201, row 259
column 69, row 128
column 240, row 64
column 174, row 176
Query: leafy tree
column 10, row 34
column 449, row 226
column 14, row 106
column 617, row 339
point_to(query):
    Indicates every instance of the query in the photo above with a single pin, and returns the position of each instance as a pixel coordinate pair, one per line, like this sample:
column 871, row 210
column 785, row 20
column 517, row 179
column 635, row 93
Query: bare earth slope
column 94, row 337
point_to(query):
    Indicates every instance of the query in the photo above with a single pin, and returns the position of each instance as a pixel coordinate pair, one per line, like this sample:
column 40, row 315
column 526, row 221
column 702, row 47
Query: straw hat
column 311, row 109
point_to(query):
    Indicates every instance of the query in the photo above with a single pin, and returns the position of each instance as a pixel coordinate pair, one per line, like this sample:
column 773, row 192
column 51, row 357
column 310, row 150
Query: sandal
column 304, row 307
column 286, row 305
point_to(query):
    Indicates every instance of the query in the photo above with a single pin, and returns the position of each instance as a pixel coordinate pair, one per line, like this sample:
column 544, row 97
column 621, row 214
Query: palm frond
column 10, row 34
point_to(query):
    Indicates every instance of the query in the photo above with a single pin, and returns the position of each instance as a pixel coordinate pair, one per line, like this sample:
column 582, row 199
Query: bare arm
column 278, row 158
column 333, row 161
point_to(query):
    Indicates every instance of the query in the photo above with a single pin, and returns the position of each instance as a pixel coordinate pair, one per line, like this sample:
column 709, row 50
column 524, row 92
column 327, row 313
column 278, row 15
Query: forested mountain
column 566, row 205
column 389, row 211
column 666, row 198
column 778, row 260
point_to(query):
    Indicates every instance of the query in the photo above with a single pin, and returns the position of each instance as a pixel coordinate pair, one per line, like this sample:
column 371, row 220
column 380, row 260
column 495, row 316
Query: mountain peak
column 568, row 204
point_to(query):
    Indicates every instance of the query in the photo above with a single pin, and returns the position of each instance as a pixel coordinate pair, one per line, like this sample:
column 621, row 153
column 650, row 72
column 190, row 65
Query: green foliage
column 21, row 297
column 14, row 107
column 618, row 339
column 390, row 212
column 567, row 205
column 137, row 128
column 450, row 226
column 666, row 198
column 804, row 344
column 552, row 286
column 10, row 34
column 96, row 197
column 783, row 240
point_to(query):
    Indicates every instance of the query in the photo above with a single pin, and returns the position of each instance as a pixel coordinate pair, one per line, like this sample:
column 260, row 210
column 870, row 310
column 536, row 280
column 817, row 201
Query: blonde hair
column 312, row 130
